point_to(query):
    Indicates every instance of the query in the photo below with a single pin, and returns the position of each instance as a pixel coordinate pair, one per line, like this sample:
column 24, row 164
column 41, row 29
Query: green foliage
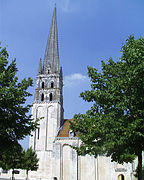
column 114, row 125
column 12, row 159
column 15, row 123
column 19, row 159
column 30, row 160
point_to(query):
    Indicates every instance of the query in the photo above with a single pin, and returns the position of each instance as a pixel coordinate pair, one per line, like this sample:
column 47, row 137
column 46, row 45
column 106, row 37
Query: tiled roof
column 64, row 132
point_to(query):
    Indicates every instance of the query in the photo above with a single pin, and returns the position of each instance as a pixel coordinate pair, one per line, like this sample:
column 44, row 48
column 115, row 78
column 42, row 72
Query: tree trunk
column 140, row 165
column 13, row 174
column 26, row 174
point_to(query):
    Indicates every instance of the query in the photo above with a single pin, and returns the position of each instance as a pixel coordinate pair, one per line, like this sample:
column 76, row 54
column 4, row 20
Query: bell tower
column 48, row 103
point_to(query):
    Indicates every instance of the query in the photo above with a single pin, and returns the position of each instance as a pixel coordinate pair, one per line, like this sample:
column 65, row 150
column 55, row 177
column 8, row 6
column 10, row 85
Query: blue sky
column 88, row 31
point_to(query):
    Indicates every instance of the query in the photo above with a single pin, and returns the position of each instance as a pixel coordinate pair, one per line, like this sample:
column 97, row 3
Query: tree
column 12, row 159
column 19, row 159
column 136, row 174
column 30, row 160
column 15, row 123
column 114, row 125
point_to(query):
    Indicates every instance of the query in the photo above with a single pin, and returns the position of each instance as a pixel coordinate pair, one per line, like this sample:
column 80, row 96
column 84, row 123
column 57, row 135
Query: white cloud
column 74, row 79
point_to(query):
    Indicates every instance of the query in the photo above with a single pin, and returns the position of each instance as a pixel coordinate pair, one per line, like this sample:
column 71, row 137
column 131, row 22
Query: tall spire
column 51, row 58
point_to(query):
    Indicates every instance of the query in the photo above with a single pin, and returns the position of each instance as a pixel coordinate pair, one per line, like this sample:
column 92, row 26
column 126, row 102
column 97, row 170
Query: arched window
column 52, row 84
column 42, row 97
column 71, row 134
column 121, row 177
column 42, row 84
column 50, row 96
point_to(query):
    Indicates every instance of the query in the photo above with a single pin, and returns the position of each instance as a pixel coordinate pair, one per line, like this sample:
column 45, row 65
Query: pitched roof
column 64, row 132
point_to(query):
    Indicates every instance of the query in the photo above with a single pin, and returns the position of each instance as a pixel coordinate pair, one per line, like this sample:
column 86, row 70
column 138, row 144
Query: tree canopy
column 30, row 160
column 18, row 158
column 114, row 125
column 12, row 159
column 15, row 123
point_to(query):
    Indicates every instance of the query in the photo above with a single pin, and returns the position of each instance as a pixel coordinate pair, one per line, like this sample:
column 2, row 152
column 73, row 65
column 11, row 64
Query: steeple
column 48, row 104
column 51, row 58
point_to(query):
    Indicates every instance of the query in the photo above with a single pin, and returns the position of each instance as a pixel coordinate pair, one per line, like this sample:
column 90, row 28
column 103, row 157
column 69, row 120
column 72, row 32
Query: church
column 53, row 139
